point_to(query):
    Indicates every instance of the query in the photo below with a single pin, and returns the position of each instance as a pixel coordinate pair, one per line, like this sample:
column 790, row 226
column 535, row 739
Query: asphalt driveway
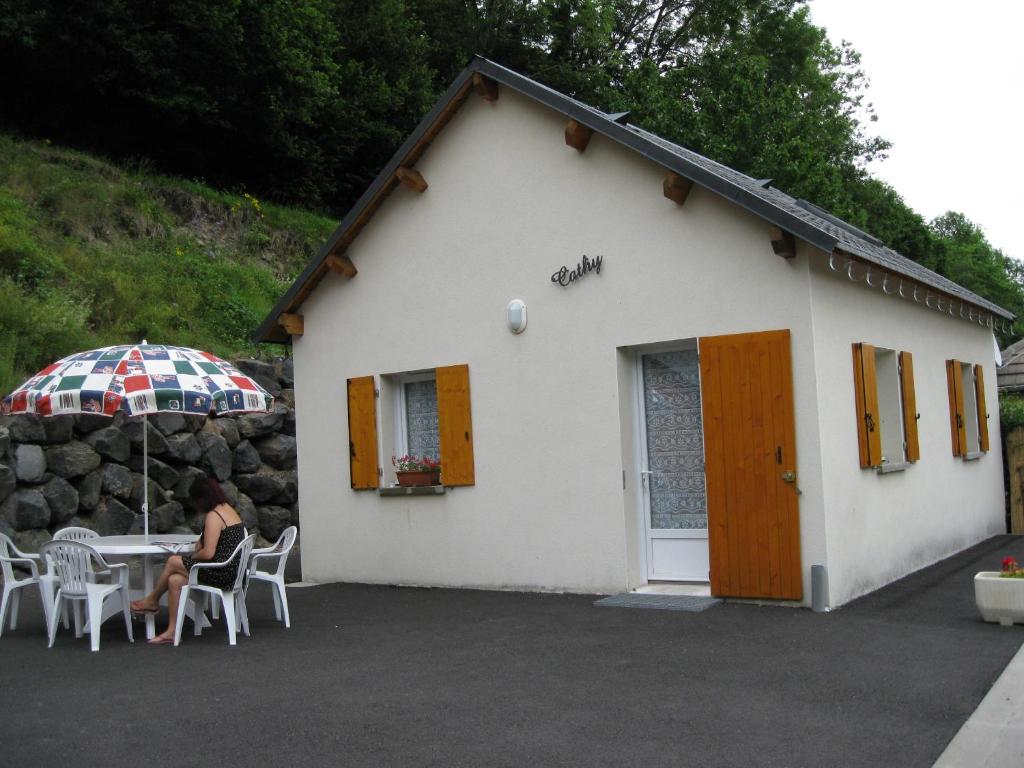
column 379, row 676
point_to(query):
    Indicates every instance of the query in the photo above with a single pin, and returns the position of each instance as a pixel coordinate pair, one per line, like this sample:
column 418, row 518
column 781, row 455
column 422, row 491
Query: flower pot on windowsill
column 999, row 598
column 411, row 478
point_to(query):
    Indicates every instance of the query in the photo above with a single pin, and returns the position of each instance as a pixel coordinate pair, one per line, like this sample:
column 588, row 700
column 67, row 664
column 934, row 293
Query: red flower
column 410, row 463
column 1009, row 564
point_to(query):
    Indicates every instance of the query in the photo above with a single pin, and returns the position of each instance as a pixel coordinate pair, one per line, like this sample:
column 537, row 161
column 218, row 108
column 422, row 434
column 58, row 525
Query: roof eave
column 981, row 303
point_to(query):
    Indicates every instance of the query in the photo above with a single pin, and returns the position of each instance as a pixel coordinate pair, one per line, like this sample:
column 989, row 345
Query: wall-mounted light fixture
column 516, row 313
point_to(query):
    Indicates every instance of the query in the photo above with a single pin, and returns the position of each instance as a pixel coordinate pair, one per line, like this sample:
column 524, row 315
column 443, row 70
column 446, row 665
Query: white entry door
column 672, row 465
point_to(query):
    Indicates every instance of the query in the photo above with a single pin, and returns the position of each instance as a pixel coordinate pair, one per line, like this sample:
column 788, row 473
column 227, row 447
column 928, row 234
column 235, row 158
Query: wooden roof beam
column 342, row 265
column 411, row 178
column 577, row 136
column 292, row 323
column 485, row 87
column 676, row 188
column 783, row 243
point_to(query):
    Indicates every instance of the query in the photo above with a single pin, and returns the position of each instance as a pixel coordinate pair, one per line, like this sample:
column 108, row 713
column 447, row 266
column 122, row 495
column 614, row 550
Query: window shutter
column 362, row 433
column 956, row 407
column 865, row 384
column 979, row 393
column 909, row 398
column 455, row 425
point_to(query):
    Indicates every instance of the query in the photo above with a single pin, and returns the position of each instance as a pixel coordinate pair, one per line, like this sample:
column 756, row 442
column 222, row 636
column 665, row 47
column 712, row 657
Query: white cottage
column 634, row 364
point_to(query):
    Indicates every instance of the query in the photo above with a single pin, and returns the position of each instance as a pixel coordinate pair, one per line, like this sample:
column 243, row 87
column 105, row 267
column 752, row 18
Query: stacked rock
column 87, row 470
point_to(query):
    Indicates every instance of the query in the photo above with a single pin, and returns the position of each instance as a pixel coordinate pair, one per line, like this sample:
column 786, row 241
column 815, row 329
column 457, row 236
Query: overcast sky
column 947, row 82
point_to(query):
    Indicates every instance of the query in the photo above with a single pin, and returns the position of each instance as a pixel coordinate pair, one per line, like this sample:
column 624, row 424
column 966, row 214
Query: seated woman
column 222, row 532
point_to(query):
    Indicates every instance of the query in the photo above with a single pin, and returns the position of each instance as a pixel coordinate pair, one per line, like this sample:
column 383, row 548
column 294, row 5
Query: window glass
column 421, row 419
column 675, row 447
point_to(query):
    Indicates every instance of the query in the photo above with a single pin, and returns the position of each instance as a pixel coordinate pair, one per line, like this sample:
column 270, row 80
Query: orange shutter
column 455, row 425
column 362, row 433
column 979, row 393
column 910, row 415
column 865, row 384
column 956, row 407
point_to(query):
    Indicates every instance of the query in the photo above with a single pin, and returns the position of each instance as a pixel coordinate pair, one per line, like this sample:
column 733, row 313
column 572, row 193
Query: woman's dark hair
column 206, row 494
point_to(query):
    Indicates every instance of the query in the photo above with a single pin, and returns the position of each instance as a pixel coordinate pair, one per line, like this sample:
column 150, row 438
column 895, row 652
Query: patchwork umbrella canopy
column 139, row 380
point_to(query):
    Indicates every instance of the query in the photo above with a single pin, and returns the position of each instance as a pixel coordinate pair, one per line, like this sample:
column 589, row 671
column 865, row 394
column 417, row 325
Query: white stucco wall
column 508, row 204
column 882, row 527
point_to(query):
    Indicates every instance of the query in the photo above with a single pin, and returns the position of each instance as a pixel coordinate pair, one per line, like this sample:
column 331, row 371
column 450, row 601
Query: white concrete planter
column 999, row 599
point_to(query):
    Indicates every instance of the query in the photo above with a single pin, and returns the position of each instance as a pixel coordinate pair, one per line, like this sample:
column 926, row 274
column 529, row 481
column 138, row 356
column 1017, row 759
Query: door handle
column 789, row 476
column 644, row 475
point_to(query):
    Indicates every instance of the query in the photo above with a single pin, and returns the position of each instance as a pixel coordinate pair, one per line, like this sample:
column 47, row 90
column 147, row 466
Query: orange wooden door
column 750, row 465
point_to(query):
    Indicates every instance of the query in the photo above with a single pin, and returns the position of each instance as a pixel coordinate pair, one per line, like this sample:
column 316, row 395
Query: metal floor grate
column 690, row 603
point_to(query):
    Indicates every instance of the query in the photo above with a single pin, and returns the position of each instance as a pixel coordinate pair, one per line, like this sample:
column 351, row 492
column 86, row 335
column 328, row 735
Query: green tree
column 292, row 98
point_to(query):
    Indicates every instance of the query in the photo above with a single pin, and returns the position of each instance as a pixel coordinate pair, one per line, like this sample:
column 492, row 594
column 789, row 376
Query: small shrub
column 1011, row 412
column 39, row 327
column 22, row 257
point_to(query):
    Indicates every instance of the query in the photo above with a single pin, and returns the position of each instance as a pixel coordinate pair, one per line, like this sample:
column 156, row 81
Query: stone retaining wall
column 86, row 470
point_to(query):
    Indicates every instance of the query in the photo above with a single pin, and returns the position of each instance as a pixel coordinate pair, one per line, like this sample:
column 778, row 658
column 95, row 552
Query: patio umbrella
column 138, row 380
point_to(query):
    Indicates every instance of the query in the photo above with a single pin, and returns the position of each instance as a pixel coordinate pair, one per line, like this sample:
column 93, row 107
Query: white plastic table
column 159, row 544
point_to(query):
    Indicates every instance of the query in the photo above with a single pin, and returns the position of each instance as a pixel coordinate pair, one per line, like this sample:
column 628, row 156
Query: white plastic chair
column 274, row 575
column 48, row 580
column 233, row 599
column 73, row 563
column 9, row 555
column 75, row 534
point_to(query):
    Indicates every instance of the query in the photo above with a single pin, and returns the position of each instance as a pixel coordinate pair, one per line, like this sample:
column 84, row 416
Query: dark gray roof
column 806, row 221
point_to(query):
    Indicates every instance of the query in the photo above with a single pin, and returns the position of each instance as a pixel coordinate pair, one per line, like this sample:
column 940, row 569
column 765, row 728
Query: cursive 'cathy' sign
column 566, row 276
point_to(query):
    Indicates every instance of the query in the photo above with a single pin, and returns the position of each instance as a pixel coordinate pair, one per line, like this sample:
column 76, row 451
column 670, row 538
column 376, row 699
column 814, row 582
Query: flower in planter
column 1011, row 570
column 415, row 464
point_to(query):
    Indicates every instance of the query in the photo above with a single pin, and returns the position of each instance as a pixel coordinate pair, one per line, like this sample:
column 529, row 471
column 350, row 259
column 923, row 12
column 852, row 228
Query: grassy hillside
column 92, row 253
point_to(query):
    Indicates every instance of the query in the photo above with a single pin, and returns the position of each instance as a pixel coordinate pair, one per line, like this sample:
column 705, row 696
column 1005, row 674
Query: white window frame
column 401, row 415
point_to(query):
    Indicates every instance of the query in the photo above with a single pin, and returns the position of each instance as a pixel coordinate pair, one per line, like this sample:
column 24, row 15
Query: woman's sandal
column 160, row 640
column 142, row 610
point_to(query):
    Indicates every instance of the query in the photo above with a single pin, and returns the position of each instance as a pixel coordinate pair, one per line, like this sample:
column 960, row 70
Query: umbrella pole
column 145, row 476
